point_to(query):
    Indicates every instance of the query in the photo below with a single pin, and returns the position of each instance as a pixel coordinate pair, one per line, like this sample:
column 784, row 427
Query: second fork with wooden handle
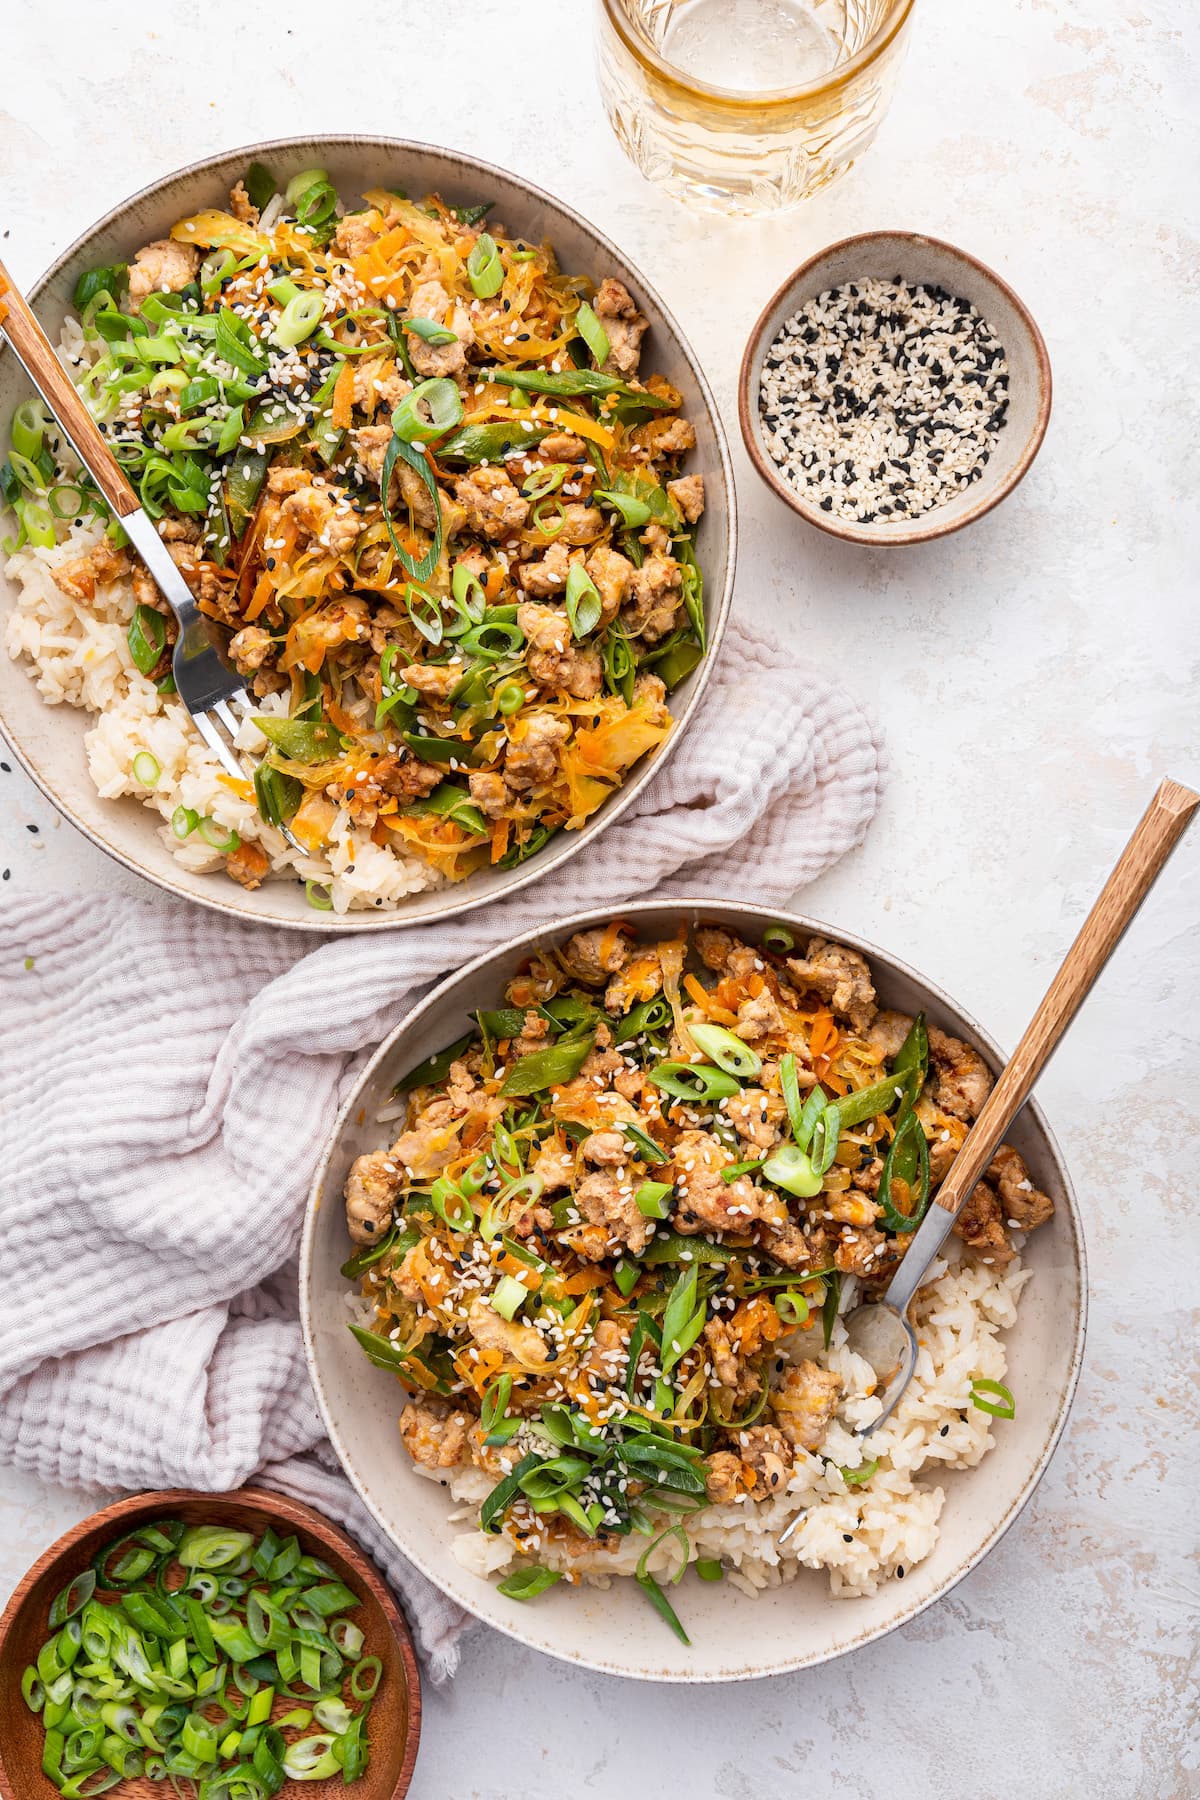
column 212, row 692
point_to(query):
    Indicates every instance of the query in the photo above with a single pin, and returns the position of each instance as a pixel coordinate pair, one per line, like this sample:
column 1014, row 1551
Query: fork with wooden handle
column 208, row 687
column 879, row 1329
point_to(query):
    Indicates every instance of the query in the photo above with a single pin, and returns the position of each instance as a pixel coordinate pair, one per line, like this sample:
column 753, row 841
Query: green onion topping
column 1003, row 1407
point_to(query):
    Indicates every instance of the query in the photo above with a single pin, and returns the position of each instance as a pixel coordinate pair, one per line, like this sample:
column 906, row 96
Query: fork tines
column 221, row 714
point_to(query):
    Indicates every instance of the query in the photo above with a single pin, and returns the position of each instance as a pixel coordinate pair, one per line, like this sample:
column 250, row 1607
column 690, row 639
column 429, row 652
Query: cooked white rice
column 79, row 656
column 861, row 1535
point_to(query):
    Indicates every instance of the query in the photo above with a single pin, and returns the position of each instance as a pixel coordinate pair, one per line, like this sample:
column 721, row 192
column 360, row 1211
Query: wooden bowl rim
column 848, row 530
column 296, row 1512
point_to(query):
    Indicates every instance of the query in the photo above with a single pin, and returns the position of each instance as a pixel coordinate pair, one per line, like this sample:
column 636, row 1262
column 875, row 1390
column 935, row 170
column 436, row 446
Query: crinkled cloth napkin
column 169, row 1077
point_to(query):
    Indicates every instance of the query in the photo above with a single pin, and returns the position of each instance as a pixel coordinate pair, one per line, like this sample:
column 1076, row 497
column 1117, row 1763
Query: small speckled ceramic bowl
column 883, row 255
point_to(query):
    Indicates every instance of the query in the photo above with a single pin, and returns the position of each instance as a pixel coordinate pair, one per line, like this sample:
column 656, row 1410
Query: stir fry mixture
column 606, row 1245
column 413, row 471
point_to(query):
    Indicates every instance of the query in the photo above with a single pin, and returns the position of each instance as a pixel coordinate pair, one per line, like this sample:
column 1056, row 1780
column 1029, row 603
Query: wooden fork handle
column 1161, row 826
column 62, row 397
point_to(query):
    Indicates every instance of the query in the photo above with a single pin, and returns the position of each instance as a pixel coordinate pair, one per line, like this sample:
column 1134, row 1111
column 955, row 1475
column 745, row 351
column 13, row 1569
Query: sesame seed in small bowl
column 893, row 389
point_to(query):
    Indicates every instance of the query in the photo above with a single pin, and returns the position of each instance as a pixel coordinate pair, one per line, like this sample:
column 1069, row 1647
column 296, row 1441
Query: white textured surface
column 1034, row 675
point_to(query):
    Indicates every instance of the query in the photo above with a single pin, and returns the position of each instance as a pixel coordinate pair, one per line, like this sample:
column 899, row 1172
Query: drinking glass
column 748, row 106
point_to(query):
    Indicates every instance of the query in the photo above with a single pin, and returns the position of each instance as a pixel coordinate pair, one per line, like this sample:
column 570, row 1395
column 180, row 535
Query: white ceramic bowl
column 48, row 740
column 613, row 1630
column 881, row 255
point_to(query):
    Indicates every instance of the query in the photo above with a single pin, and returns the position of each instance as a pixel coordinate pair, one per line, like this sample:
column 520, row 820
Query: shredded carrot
column 342, row 412
column 263, row 589
column 708, row 1002
column 500, row 831
column 824, row 1035
column 584, row 1281
column 242, row 789
column 494, row 582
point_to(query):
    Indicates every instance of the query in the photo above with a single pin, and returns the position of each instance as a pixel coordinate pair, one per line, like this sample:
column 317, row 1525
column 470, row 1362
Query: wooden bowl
column 395, row 1711
column 881, row 255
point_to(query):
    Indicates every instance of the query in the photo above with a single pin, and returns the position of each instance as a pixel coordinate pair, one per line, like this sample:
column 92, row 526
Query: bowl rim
column 298, row 1513
column 848, row 530
column 460, row 900
column 804, row 922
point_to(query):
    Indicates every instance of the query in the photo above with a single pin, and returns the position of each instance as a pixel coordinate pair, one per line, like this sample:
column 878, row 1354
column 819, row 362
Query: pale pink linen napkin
column 168, row 1078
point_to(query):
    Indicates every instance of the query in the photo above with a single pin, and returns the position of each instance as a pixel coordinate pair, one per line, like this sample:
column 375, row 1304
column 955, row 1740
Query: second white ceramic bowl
column 613, row 1630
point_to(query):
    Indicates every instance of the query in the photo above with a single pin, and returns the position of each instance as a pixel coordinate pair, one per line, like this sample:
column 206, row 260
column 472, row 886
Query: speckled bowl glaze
column 48, row 740
column 882, row 255
column 613, row 1630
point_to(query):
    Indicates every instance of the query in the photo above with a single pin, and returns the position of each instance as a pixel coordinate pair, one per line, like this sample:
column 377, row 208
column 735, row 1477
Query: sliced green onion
column 319, row 896
column 28, row 429
column 709, row 1569
column 231, row 432
column 545, row 481
column 146, row 637
column 527, row 1584
column 592, row 332
column 146, row 769
column 73, row 1598
column 485, row 271
column 860, row 1476
column 1007, row 1407
column 662, row 1606
column 694, row 1081
column 212, row 1546
column 215, row 270
column 298, row 320
column 778, row 938
column 634, row 513
column 626, row 1275
column 726, row 1050
column 365, row 1675
column 644, row 1145
column 510, row 698
column 790, row 1169
column 110, row 280
column 299, row 184
column 184, row 821
column 583, row 601
column 142, row 1700
column 452, row 1206
column 653, row 1199
column 431, row 408
column 792, row 1307
column 311, row 1759
column 549, row 516
column 509, row 1294
column 429, row 331
column 218, row 837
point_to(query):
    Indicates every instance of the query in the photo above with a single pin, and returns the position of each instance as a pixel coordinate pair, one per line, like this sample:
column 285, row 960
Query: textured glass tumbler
column 747, row 106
